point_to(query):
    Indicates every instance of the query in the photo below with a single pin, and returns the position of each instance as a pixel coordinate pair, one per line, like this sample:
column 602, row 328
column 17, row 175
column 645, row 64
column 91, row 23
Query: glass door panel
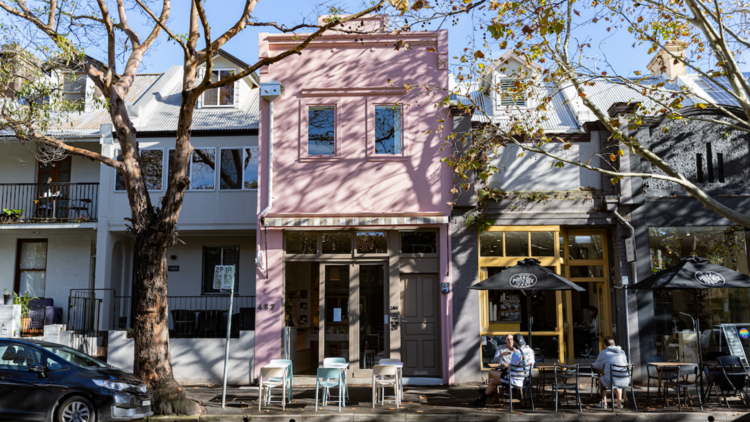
column 370, row 334
column 335, row 312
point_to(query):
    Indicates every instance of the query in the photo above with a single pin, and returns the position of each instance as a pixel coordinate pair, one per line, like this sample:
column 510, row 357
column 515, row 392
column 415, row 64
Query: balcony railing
column 48, row 202
column 195, row 316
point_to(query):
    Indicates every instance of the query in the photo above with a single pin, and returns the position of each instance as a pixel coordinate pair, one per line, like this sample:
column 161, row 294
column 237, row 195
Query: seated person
column 522, row 355
column 504, row 352
column 614, row 355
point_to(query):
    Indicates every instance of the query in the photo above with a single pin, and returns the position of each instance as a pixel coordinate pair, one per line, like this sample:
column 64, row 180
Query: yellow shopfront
column 563, row 324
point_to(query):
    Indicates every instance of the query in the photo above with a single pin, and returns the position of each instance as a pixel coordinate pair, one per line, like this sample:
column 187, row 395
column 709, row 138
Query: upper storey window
column 321, row 132
column 220, row 97
column 388, row 129
column 74, row 86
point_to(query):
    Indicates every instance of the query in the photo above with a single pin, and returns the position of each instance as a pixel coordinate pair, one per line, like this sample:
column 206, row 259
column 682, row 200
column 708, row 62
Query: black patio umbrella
column 694, row 273
column 529, row 277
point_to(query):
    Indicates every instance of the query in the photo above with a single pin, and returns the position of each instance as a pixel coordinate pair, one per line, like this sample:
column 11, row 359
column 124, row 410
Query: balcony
column 24, row 203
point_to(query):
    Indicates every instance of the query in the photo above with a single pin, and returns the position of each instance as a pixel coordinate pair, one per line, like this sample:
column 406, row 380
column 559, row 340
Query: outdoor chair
column 384, row 376
column 289, row 376
column 713, row 374
column 562, row 374
column 734, row 377
column 543, row 378
column 619, row 372
column 183, row 322
column 589, row 371
column 518, row 371
column 209, row 323
column 327, row 378
column 682, row 382
column 326, row 361
column 79, row 207
column 653, row 373
column 269, row 374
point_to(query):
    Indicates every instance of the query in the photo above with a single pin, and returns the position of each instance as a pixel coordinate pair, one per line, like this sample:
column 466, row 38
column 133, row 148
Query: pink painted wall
column 354, row 76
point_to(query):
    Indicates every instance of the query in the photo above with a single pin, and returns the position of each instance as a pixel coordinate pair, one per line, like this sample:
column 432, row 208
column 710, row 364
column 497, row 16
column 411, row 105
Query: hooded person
column 611, row 355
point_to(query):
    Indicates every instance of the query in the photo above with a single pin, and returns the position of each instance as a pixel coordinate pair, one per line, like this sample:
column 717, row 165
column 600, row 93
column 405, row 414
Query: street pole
column 226, row 347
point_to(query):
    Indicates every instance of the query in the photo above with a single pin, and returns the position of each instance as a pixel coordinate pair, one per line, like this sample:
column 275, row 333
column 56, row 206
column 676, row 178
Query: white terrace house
column 72, row 246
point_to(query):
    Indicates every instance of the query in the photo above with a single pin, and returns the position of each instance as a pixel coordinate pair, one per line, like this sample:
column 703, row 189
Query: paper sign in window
column 336, row 314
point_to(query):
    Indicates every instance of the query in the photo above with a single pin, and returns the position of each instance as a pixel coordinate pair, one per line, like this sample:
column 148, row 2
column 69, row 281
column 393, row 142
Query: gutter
column 634, row 274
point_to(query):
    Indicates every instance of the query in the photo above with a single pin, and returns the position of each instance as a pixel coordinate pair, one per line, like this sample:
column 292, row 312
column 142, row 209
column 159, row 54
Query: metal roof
column 557, row 118
column 165, row 115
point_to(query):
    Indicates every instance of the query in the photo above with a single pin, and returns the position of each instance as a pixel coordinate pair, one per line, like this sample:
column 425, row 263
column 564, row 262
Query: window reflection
column 585, row 247
column 419, row 242
column 203, row 169
column 337, row 242
column 388, row 129
column 372, row 242
column 491, row 244
column 542, row 244
column 516, row 243
column 321, row 131
column 301, row 242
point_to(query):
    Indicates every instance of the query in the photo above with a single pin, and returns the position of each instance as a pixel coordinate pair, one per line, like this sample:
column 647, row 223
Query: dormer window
column 220, row 97
column 509, row 96
column 74, row 86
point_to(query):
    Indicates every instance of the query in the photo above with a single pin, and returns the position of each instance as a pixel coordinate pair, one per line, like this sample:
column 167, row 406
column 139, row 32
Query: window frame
column 190, row 171
column 234, row 94
column 242, row 182
column 372, row 154
column 305, row 121
column 82, row 92
column 236, row 270
column 17, row 266
column 164, row 162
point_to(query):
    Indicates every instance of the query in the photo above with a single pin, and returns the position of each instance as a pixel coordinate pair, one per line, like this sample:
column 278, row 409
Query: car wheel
column 76, row 409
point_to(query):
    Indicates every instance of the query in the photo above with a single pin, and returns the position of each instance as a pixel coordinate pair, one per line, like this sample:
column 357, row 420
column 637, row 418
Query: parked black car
column 49, row 382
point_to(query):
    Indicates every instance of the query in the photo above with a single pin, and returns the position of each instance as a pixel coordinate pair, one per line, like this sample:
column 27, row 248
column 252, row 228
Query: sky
column 223, row 14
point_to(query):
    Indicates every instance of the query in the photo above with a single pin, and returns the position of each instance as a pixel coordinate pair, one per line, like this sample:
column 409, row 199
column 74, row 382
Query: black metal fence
column 84, row 314
column 194, row 316
column 49, row 202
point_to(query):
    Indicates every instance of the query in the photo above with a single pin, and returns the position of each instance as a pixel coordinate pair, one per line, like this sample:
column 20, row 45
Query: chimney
column 664, row 64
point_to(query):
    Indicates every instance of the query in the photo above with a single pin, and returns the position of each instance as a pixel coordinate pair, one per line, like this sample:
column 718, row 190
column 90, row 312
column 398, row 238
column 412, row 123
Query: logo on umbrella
column 710, row 278
column 522, row 280
column 744, row 333
column 662, row 280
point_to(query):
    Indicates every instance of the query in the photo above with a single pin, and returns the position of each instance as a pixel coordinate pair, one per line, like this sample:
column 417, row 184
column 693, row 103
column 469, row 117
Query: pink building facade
column 353, row 248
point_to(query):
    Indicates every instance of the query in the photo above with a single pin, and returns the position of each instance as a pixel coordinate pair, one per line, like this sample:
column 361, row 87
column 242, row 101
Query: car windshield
column 75, row 357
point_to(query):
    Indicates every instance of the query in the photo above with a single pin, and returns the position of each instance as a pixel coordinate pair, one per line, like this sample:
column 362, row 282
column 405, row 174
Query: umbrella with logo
column 529, row 277
column 694, row 273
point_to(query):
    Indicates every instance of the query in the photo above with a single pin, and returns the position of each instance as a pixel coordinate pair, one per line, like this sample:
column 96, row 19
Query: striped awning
column 354, row 221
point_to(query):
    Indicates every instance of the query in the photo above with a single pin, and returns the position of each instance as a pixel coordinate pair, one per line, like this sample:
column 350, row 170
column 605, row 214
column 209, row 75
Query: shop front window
column 721, row 245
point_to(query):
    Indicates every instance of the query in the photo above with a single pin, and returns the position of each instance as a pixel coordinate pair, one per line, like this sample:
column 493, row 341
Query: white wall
column 18, row 164
column 195, row 361
column 535, row 172
column 68, row 261
column 201, row 210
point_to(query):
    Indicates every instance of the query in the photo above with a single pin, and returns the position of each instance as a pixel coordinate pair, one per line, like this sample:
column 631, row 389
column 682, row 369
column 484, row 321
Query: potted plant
column 24, row 302
column 7, row 298
column 10, row 215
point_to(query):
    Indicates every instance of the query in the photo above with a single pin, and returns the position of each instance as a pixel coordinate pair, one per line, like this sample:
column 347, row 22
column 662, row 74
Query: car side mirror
column 37, row 368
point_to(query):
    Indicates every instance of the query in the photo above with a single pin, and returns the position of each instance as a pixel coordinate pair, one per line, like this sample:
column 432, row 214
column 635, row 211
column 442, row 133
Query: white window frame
column 242, row 182
column 234, row 95
column 190, row 171
column 164, row 169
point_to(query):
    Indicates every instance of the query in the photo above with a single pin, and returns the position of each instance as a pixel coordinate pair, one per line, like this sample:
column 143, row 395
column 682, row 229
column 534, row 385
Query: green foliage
column 24, row 302
column 12, row 213
column 480, row 221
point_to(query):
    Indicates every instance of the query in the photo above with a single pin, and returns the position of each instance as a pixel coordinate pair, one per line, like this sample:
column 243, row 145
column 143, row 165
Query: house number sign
column 266, row 307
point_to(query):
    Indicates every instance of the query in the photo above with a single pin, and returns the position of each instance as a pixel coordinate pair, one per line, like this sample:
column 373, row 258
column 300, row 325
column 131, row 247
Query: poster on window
column 224, row 277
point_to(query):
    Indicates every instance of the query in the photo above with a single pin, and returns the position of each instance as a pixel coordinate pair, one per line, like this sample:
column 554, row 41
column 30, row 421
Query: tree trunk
column 152, row 361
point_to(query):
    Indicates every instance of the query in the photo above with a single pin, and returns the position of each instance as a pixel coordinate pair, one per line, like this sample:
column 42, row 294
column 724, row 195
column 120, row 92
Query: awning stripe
column 355, row 221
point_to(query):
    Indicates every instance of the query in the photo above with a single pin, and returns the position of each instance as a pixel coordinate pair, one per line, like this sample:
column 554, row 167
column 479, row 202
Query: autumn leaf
column 621, row 152
column 401, row 5
column 430, row 50
column 478, row 55
column 612, row 157
column 419, row 4
column 567, row 146
column 701, row 106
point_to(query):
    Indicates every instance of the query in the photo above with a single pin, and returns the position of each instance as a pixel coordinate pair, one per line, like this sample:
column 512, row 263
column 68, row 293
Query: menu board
column 733, row 340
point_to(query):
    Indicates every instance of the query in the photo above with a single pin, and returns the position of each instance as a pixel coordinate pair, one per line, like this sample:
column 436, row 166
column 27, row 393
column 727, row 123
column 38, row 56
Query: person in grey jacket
column 614, row 355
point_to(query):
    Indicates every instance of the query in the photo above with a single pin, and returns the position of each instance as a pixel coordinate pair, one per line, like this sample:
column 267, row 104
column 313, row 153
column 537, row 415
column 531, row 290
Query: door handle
column 403, row 320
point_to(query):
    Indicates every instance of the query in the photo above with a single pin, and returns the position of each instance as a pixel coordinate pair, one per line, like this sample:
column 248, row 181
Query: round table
column 660, row 366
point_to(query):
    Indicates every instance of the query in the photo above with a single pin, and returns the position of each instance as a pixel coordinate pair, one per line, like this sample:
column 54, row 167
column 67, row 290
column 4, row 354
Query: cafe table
column 660, row 366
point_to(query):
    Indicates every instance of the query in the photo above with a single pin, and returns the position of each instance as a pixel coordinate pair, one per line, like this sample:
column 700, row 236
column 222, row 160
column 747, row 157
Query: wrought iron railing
column 195, row 316
column 48, row 202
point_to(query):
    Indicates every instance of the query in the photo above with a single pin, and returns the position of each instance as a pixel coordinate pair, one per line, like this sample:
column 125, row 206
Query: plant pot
column 25, row 325
column 7, row 299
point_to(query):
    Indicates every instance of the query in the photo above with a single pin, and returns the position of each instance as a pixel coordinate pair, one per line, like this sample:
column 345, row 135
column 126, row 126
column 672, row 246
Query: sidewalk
column 446, row 403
